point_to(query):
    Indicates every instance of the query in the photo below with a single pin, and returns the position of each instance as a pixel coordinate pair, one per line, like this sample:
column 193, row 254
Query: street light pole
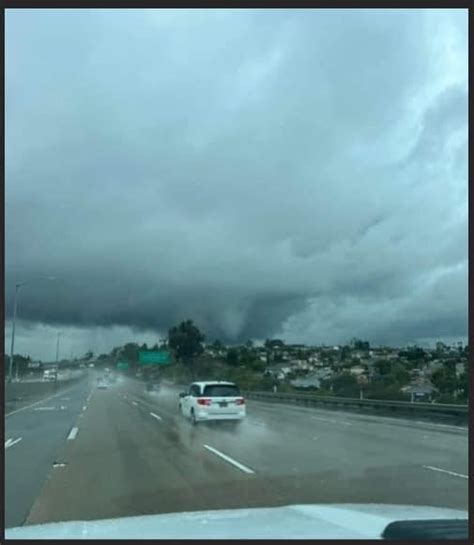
column 12, row 347
column 57, row 348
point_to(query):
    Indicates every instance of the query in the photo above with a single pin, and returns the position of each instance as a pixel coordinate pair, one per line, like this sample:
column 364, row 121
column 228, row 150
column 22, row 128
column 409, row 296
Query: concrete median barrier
column 23, row 392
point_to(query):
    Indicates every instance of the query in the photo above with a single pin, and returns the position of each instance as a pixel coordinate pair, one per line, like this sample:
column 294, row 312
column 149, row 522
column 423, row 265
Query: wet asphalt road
column 34, row 433
column 132, row 453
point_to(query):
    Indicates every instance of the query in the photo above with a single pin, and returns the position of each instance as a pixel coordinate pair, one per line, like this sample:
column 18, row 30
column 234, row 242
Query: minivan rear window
column 221, row 390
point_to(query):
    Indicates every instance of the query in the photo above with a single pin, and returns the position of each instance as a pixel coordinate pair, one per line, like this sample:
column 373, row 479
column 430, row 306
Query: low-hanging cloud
column 291, row 172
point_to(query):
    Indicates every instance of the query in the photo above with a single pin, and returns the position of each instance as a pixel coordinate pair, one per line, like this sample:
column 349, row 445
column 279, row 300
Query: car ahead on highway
column 50, row 374
column 152, row 386
column 212, row 400
column 101, row 384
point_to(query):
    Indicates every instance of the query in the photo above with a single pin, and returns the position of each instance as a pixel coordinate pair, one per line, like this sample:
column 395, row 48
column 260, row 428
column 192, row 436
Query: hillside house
column 278, row 371
column 306, row 382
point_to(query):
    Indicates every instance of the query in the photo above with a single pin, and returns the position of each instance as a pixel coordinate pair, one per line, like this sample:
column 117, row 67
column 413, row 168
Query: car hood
column 329, row 521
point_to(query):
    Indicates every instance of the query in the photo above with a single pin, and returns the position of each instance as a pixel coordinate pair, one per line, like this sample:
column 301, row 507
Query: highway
column 90, row 454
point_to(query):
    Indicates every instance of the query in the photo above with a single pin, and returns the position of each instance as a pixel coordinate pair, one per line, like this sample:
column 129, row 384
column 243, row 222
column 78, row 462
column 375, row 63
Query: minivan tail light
column 240, row 401
column 203, row 401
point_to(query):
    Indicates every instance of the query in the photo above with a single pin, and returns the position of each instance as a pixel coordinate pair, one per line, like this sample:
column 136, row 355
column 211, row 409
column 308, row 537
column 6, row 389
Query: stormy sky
column 299, row 174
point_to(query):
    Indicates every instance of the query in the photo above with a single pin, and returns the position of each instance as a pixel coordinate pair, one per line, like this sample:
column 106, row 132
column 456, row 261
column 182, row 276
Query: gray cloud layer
column 292, row 172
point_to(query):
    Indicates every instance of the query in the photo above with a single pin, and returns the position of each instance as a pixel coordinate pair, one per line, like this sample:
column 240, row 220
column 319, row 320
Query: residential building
column 306, row 382
column 422, row 391
column 357, row 370
column 279, row 370
column 324, row 373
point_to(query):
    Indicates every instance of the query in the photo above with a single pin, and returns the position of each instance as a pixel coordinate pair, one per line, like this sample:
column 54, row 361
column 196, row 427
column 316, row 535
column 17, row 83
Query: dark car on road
column 152, row 386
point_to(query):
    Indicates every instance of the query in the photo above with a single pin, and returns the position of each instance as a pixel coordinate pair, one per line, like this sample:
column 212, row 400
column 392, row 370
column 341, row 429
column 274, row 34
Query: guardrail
column 439, row 411
column 460, row 412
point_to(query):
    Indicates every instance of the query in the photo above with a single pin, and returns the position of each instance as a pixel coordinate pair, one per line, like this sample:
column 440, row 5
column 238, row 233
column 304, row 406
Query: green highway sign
column 122, row 365
column 154, row 357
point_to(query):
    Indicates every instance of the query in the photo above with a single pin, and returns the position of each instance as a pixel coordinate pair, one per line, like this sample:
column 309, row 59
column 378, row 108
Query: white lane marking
column 256, row 422
column 73, row 433
column 156, row 416
column 59, row 464
column 153, row 405
column 10, row 442
column 45, row 409
column 465, row 428
column 63, row 407
column 331, row 421
column 240, row 466
column 84, row 407
column 143, row 402
column 453, row 473
column 134, row 403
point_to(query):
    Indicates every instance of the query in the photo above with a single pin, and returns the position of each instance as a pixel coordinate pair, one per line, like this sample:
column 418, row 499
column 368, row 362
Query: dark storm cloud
column 254, row 170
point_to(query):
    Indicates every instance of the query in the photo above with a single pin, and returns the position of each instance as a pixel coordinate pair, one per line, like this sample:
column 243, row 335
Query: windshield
column 236, row 265
column 220, row 390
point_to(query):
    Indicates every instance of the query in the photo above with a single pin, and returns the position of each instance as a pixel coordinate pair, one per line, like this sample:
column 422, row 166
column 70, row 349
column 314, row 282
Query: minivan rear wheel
column 193, row 418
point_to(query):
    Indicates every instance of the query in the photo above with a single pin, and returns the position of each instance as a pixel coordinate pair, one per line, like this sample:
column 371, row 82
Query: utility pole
column 57, row 358
column 12, row 347
column 57, row 348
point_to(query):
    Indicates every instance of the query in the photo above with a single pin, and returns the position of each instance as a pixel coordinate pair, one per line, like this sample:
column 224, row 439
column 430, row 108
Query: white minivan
column 212, row 400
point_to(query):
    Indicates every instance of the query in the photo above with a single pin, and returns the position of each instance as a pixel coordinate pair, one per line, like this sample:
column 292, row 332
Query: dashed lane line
column 150, row 405
column 452, row 473
column 236, row 464
column 331, row 421
column 10, row 442
column 449, row 426
column 73, row 433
